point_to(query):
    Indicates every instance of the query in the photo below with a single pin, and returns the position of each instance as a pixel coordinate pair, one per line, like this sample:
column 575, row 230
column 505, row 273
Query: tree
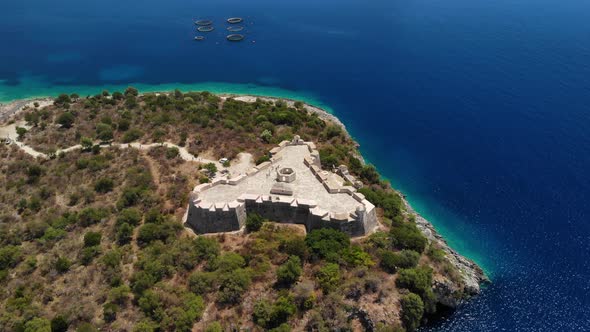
column 66, row 120
column 254, row 222
column 329, row 277
column 131, row 91
column 289, row 272
column 211, row 168
column 412, row 311
column 20, row 131
column 117, row 95
column 103, row 185
column 63, row 99
column 92, row 239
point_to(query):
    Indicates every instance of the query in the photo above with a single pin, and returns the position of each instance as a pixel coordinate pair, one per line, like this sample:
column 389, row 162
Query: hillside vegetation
column 92, row 239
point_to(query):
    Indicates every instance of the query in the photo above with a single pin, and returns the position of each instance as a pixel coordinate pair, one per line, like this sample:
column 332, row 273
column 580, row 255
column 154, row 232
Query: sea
column 477, row 110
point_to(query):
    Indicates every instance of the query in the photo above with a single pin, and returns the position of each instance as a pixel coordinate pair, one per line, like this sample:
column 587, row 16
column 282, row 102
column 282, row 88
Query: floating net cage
column 203, row 22
column 234, row 20
column 235, row 37
column 206, row 28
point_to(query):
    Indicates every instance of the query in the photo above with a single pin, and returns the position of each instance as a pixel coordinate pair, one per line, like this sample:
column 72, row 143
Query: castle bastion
column 290, row 188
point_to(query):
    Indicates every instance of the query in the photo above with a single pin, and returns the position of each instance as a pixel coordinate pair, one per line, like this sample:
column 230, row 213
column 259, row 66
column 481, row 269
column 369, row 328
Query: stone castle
column 289, row 188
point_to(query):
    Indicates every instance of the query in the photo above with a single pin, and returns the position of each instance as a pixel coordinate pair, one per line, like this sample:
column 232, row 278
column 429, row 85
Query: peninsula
column 189, row 211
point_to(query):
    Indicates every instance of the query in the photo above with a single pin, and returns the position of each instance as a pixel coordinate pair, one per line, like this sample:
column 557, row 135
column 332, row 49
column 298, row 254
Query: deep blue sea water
column 478, row 110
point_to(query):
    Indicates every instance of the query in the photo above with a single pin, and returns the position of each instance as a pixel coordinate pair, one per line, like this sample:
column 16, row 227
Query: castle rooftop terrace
column 305, row 187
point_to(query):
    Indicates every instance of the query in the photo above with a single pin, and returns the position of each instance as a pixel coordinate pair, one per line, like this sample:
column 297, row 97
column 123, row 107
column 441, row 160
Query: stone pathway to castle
column 243, row 162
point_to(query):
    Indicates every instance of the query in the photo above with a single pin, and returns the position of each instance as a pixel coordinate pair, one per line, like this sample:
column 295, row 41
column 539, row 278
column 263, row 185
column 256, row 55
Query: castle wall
column 214, row 219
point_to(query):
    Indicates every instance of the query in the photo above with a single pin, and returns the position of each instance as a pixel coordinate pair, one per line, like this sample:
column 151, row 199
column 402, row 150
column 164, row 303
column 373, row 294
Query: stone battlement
column 290, row 188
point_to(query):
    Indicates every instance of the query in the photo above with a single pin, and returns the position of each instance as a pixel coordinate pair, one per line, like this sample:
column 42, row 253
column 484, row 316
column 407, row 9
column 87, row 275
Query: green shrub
column 90, row 216
column 207, row 248
column 388, row 200
column 152, row 232
column 123, row 125
column 254, row 222
column 289, row 272
column 405, row 235
column 355, row 256
column 412, row 311
column 327, row 243
column 86, row 327
column 405, row 259
column 262, row 159
column 233, row 285
column 131, row 216
column 9, row 256
column 119, row 294
column 329, row 277
column 38, row 325
column 295, row 246
column 109, row 311
column 62, row 264
column 202, row 283
column 124, row 233
column 88, row 255
column 92, row 239
column 436, row 254
column 66, row 120
column 419, row 281
column 172, row 152
column 132, row 135
column 59, row 324
column 270, row 316
column 103, row 185
column 214, row 327
column 104, row 132
column 228, row 262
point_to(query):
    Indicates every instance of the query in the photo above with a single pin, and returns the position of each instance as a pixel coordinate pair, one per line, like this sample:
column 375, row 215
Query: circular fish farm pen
column 206, row 28
column 234, row 20
column 235, row 37
column 203, row 22
column 235, row 29
column 199, row 38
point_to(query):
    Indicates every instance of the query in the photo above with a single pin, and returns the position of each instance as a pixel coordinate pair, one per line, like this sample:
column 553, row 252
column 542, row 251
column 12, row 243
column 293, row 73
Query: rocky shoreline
column 472, row 275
